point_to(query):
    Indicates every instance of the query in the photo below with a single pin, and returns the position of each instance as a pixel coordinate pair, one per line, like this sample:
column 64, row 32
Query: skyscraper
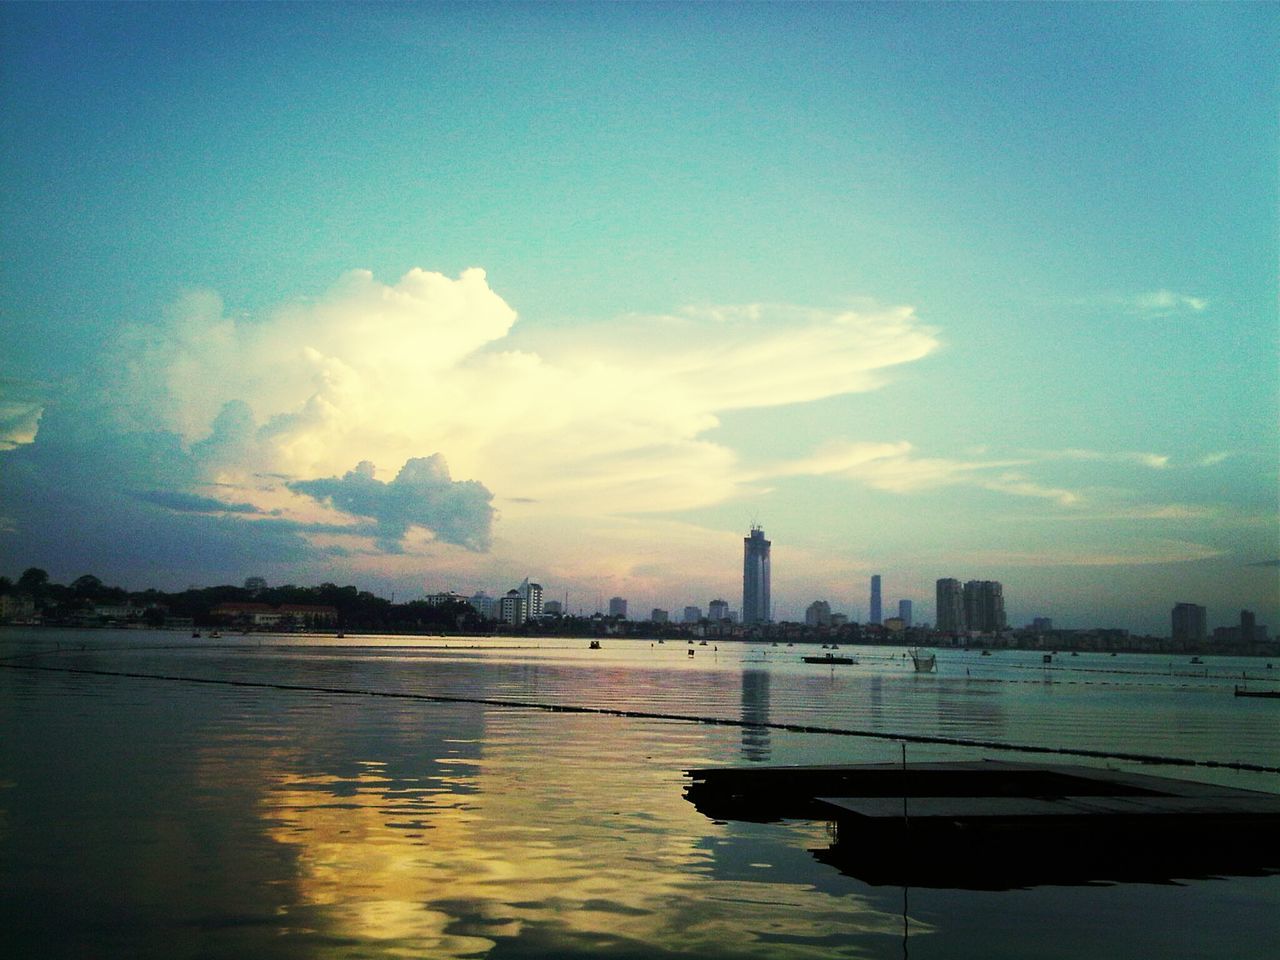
column 950, row 606
column 984, row 606
column 755, row 577
column 532, row 593
column 718, row 610
column 904, row 612
column 618, row 607
column 1189, row 622
column 877, row 615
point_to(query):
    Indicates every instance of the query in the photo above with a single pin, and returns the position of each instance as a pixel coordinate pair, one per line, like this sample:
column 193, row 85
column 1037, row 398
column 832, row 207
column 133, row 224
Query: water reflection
column 552, row 835
column 755, row 713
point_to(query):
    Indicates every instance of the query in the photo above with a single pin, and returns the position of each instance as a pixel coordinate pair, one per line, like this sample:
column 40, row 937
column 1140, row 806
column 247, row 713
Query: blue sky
column 438, row 296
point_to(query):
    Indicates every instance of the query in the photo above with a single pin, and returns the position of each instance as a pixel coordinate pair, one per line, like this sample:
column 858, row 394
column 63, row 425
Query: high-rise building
column 755, row 577
column 484, row 605
column 950, row 606
column 692, row 614
column 1248, row 626
column 511, row 608
column 904, row 612
column 553, row 608
column 532, row 593
column 877, row 615
column 618, row 608
column 1189, row 622
column 718, row 610
column 818, row 614
column 984, row 606
column 659, row 615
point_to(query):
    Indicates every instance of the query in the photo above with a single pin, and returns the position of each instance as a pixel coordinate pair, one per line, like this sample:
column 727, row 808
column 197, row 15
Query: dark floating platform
column 996, row 825
column 1242, row 692
column 830, row 658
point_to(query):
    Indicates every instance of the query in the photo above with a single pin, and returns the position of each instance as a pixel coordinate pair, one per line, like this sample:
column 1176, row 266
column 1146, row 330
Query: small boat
column 1196, row 660
column 1242, row 692
column 703, row 643
column 195, row 634
column 594, row 645
column 924, row 663
column 1047, row 658
column 986, row 653
column 692, row 652
column 214, row 635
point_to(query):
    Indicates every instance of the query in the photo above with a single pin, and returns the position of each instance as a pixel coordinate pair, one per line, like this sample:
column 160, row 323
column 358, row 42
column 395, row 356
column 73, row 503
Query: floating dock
column 998, row 825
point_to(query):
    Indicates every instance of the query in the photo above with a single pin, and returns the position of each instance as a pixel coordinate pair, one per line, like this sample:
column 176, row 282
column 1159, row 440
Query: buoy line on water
column 652, row 715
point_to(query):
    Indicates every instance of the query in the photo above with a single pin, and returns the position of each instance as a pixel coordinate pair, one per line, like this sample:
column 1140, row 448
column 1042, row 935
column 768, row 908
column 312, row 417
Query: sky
column 436, row 297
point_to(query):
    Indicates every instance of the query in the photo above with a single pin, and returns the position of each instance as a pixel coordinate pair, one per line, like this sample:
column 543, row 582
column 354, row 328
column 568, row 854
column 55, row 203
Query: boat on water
column 1196, row 660
column 593, row 645
column 986, row 653
column 923, row 662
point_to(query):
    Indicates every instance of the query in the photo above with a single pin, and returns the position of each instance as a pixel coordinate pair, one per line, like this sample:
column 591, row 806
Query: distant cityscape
column 968, row 613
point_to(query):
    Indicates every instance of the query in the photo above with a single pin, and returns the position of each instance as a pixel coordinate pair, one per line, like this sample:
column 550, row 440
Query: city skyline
column 441, row 294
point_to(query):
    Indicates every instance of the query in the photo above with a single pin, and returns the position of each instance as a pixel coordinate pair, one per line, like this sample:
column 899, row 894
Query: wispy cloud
column 894, row 467
column 1139, row 553
column 1166, row 303
column 1156, row 461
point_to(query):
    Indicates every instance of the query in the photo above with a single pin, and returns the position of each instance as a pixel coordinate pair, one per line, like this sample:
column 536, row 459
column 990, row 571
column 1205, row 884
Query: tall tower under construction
column 755, row 577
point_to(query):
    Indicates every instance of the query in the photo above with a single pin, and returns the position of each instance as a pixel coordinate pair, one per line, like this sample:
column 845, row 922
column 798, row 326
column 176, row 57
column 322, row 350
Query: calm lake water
column 144, row 813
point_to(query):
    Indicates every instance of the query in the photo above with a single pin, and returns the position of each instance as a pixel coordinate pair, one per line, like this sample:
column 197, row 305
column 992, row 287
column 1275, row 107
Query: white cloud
column 892, row 467
column 21, row 406
column 1156, row 461
column 1163, row 303
column 591, row 421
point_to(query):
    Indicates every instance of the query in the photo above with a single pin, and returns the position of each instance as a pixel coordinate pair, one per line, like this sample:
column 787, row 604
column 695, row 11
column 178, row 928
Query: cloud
column 1156, row 461
column 1165, row 303
column 243, row 429
column 610, row 417
column 21, row 406
column 1146, row 553
column 893, row 467
column 181, row 502
column 422, row 495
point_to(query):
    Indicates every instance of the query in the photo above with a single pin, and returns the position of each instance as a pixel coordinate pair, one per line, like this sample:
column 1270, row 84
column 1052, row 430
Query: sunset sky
column 428, row 297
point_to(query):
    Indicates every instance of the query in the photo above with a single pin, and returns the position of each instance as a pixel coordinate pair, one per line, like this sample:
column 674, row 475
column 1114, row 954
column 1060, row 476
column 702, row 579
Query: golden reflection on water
column 564, row 829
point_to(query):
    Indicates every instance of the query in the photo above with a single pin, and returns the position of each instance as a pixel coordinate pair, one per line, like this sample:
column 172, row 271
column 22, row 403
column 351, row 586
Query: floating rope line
column 677, row 717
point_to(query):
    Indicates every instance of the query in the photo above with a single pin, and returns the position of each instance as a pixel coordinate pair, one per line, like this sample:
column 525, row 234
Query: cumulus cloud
column 247, row 426
column 422, row 494
column 606, row 418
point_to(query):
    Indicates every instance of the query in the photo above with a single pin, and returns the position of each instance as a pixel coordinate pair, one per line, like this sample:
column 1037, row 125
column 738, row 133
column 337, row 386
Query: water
column 164, row 817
